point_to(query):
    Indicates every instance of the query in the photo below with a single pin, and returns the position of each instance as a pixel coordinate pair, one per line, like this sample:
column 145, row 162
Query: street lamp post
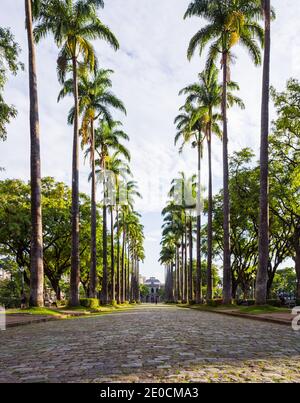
column 23, row 296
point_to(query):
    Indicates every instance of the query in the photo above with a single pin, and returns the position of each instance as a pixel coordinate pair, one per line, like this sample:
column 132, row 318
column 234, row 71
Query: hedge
column 10, row 302
column 215, row 302
column 91, row 303
column 274, row 302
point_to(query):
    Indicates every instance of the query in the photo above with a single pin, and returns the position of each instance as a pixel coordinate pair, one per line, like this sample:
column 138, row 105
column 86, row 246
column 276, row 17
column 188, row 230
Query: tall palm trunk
column 198, row 270
column 171, row 283
column 74, row 276
column 178, row 294
column 104, row 240
column 138, row 294
column 123, row 278
column 182, row 269
column 191, row 293
column 118, row 260
column 112, row 254
column 209, row 222
column 128, row 274
column 227, row 286
column 93, row 268
column 36, row 249
column 186, row 277
column 262, row 275
column 173, row 280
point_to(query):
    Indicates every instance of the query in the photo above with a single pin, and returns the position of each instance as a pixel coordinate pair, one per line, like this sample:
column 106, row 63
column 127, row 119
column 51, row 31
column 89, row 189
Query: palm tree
column 173, row 231
column 191, row 130
column 182, row 192
column 135, row 238
column 119, row 168
column 127, row 207
column 95, row 100
column 167, row 258
column 36, row 248
column 206, row 96
column 262, row 274
column 107, row 139
column 74, row 23
column 230, row 22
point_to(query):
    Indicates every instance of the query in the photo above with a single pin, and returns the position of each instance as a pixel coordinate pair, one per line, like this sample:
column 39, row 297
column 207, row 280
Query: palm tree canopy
column 107, row 140
column 230, row 22
column 95, row 98
column 202, row 99
column 73, row 23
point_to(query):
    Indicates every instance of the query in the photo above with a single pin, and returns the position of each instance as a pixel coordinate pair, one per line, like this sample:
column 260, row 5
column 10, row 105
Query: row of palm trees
column 178, row 240
column 74, row 24
column 229, row 23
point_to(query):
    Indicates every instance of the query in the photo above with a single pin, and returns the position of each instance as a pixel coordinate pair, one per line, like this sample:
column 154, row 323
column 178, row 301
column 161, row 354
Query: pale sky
column 150, row 69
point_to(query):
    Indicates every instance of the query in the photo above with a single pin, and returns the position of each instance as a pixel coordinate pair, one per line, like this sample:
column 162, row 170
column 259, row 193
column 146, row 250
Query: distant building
column 142, row 279
column 154, row 290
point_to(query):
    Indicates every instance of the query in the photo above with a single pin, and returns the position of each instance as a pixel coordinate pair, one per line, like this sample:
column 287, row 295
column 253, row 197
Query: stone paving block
column 187, row 346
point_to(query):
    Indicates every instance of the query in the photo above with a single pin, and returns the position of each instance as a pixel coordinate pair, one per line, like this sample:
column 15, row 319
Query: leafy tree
column 16, row 223
column 244, row 188
column 284, row 281
column 9, row 55
column 143, row 290
column 284, row 167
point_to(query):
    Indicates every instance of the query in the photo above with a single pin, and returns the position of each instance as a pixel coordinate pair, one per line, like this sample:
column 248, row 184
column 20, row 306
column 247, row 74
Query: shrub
column 114, row 302
column 247, row 302
column 91, row 303
column 9, row 303
column 274, row 302
column 214, row 302
column 62, row 302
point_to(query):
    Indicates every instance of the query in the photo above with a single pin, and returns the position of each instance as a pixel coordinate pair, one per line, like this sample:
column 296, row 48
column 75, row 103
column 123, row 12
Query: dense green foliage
column 9, row 54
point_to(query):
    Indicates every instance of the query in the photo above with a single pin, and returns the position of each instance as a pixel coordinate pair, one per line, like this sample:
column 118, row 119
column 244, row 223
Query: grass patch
column 208, row 307
column 249, row 310
column 256, row 310
column 100, row 308
column 34, row 311
column 63, row 312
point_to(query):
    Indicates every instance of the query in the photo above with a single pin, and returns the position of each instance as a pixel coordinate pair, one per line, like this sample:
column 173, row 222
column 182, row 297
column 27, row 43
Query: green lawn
column 251, row 310
column 34, row 311
column 255, row 310
column 63, row 311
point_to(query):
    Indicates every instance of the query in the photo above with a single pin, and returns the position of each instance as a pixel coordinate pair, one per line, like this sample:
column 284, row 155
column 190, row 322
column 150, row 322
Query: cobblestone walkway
column 151, row 344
